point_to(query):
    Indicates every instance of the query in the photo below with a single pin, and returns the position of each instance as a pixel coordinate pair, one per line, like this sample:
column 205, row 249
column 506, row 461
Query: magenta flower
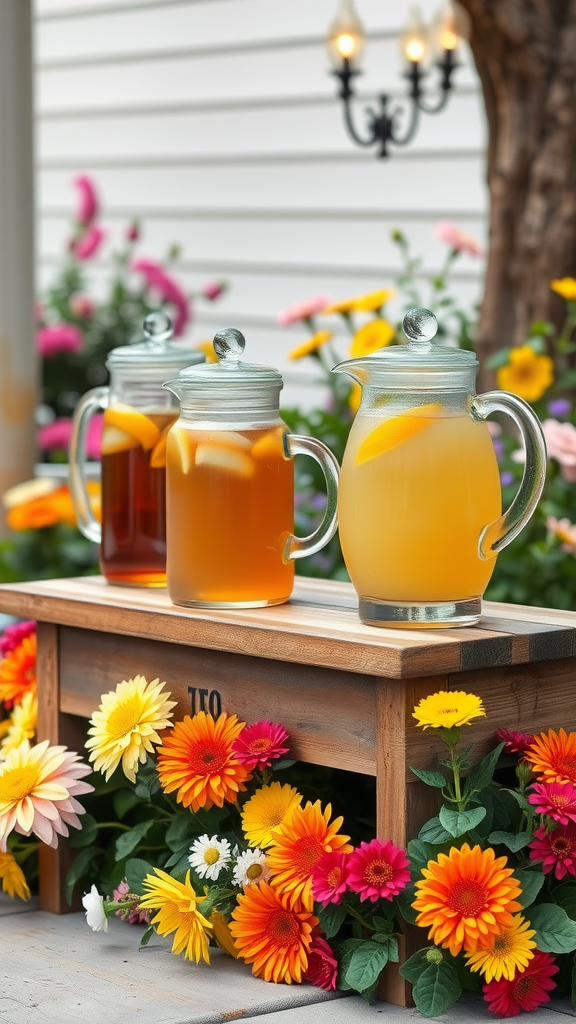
column 514, row 742
column 458, row 240
column 131, row 913
column 88, row 243
column 556, row 799
column 58, row 338
column 88, row 205
column 378, row 870
column 556, row 850
column 82, row 307
column 13, row 636
column 303, row 310
column 213, row 290
column 132, row 233
column 260, row 744
column 55, row 436
column 167, row 290
column 322, row 969
column 330, row 877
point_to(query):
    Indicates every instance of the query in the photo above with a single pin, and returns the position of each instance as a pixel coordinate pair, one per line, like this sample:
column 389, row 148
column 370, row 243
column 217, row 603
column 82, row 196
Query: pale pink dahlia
column 378, row 870
column 556, row 799
column 260, row 744
column 556, row 849
column 303, row 310
column 330, row 877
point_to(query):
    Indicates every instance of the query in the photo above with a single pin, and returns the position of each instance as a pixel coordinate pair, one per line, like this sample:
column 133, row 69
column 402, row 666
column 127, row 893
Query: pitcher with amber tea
column 419, row 503
column 230, row 485
column 138, row 415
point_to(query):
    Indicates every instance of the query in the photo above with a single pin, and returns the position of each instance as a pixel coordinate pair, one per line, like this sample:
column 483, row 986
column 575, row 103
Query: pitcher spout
column 355, row 368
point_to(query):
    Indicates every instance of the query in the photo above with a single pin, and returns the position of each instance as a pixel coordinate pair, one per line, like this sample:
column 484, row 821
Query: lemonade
column 416, row 490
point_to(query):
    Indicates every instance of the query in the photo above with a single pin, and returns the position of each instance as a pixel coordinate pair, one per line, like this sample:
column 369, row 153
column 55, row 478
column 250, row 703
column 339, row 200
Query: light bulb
column 413, row 41
column 449, row 28
column 345, row 36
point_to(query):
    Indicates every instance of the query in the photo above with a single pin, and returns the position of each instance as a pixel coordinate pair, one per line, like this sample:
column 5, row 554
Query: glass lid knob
column 158, row 328
column 419, row 326
column 229, row 344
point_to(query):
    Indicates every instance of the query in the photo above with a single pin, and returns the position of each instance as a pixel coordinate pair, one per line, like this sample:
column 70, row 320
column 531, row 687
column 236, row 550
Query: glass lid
column 230, row 370
column 156, row 351
column 419, row 326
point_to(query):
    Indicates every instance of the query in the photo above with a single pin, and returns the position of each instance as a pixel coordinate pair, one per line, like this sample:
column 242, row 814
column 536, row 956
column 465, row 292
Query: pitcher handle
column 299, row 547
column 497, row 535
column 87, row 406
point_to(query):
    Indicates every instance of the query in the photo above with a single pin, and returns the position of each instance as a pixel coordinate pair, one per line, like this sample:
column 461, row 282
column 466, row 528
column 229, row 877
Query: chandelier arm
column 412, row 125
column 437, row 107
column 352, row 130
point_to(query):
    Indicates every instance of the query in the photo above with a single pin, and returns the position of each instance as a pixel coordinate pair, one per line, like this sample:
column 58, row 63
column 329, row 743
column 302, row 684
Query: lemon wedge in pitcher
column 133, row 422
column 396, row 431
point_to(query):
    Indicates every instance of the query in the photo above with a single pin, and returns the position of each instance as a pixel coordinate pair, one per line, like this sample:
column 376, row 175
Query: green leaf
column 124, row 801
column 521, row 800
column 366, row 964
column 555, row 931
column 500, row 358
column 146, row 937
column 78, row 869
column 513, row 840
column 565, row 896
column 434, row 832
column 435, row 779
column 542, row 327
column 87, row 835
column 419, row 853
column 531, row 882
column 331, row 918
column 384, row 925
column 481, row 775
column 405, row 901
column 136, row 871
column 181, row 831
column 128, row 841
column 437, row 988
column 412, row 968
column 457, row 823
column 279, row 766
column 344, row 954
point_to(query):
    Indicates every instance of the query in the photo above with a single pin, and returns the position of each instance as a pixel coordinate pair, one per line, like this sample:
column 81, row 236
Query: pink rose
column 167, row 289
column 458, row 240
column 88, row 243
column 88, row 205
column 303, row 310
column 56, row 436
column 132, row 233
column 59, row 338
column 561, row 444
column 82, row 307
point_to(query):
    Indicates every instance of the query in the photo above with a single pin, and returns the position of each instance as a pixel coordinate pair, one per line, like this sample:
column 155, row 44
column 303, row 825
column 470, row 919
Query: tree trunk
column 525, row 53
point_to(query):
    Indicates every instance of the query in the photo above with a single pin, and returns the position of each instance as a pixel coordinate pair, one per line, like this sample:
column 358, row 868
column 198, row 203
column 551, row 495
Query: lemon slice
column 396, row 431
column 270, row 446
column 231, row 460
column 115, row 440
column 182, row 440
column 133, row 422
column 158, row 455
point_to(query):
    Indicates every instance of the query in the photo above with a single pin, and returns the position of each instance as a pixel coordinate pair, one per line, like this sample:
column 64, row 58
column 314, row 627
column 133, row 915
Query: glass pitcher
column 419, row 502
column 138, row 415
column 230, row 486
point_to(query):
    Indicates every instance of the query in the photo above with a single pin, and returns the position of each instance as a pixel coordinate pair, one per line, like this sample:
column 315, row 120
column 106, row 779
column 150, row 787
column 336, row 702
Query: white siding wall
column 216, row 122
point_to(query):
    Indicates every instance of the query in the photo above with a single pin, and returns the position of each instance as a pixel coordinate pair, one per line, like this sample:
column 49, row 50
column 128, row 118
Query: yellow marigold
column 296, row 847
column 198, row 761
column 222, row 933
column 527, row 374
column 23, row 723
column 12, row 877
column 448, row 708
column 465, row 898
column 564, row 286
column 125, row 727
column 18, row 671
column 553, row 756
column 178, row 905
column 207, row 347
column 272, row 934
column 374, row 335
column 307, row 347
column 362, row 303
column 508, row 953
column 266, row 810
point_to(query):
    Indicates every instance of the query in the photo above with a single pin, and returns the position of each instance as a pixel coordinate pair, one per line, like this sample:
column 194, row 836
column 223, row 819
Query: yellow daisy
column 372, row 336
column 12, row 877
column 307, row 347
column 526, row 374
column 375, row 300
column 207, row 348
column 564, row 286
column 508, row 953
column 177, row 904
column 125, row 727
column 266, row 810
column 448, row 708
column 355, row 397
column 22, row 723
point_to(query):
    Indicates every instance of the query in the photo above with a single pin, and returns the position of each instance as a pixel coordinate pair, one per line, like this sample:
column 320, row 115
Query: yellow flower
column 177, row 905
column 509, row 952
column 266, row 810
column 4, row 726
column 372, row 336
column 362, row 303
column 208, row 349
column 125, row 726
column 564, row 286
column 448, row 708
column 355, row 397
column 307, row 347
column 527, row 374
column 222, row 933
column 22, row 723
column 12, row 877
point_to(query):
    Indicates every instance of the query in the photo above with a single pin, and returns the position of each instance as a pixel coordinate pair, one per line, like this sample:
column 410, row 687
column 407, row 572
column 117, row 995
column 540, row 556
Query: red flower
column 13, row 636
column 167, row 289
column 88, row 204
column 322, row 965
column 258, row 745
column 556, row 850
column 58, row 338
column 378, row 870
column 514, row 742
column 132, row 233
column 556, row 799
column 330, row 877
column 88, row 243
column 526, row 992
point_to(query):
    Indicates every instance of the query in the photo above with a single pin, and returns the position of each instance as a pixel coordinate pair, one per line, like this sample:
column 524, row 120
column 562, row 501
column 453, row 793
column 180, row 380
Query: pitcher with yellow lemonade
column 419, row 503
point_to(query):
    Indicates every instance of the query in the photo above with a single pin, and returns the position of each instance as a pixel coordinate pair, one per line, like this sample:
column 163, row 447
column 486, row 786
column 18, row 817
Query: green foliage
column 555, row 931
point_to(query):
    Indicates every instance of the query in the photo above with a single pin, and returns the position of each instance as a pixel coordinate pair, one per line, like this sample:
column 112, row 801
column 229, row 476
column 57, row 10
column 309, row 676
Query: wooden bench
column 345, row 691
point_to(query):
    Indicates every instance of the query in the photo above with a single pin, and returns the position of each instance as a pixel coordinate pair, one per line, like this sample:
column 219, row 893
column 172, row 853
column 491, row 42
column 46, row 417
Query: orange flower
column 18, row 671
column 553, row 756
column 298, row 844
column 197, row 760
column 50, row 509
column 272, row 935
column 466, row 898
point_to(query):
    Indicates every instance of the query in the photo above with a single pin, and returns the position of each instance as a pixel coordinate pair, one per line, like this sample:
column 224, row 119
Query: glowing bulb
column 448, row 39
column 345, row 36
column 415, row 49
column 413, row 41
column 346, row 44
column 449, row 28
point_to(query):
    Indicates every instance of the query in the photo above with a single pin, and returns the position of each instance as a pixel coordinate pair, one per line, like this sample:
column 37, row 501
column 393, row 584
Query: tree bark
column 525, row 53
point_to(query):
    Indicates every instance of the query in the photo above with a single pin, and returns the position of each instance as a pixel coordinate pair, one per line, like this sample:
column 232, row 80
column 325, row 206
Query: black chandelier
column 345, row 46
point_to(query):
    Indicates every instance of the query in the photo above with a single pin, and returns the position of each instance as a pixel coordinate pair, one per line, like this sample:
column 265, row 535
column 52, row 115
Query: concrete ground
column 55, row 970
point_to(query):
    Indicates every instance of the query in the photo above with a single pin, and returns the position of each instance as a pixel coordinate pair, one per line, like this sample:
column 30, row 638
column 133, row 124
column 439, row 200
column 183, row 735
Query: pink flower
column 56, row 436
column 330, row 877
column 13, row 636
column 556, row 799
column 167, row 290
column 260, row 744
column 303, row 310
column 213, row 290
column 565, row 531
column 322, row 969
column 88, row 243
column 131, row 913
column 58, row 338
column 82, row 307
column 458, row 240
column 132, row 233
column 514, row 742
column 556, row 850
column 88, row 205
column 561, row 444
column 378, row 870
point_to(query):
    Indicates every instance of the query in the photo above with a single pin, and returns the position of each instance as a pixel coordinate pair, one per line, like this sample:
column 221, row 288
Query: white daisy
column 251, row 867
column 93, row 904
column 209, row 856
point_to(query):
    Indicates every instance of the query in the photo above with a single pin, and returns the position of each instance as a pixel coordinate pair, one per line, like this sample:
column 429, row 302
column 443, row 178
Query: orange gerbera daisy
column 271, row 934
column 298, row 845
column 466, row 898
column 198, row 761
column 553, row 756
column 18, row 671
